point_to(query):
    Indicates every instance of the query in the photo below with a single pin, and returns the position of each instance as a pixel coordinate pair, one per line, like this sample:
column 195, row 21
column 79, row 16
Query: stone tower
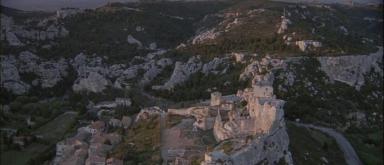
column 215, row 99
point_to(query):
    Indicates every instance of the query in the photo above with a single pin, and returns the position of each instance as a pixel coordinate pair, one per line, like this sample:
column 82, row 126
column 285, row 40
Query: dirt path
column 349, row 153
column 163, row 150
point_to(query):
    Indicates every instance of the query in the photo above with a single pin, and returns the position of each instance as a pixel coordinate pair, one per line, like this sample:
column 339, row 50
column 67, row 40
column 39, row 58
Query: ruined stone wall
column 264, row 115
column 215, row 98
column 263, row 91
column 181, row 112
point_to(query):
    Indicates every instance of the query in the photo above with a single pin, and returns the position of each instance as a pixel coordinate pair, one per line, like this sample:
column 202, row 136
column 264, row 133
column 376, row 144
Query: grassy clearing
column 55, row 129
column 174, row 120
column 368, row 146
column 51, row 132
column 141, row 143
column 308, row 146
column 226, row 147
column 15, row 157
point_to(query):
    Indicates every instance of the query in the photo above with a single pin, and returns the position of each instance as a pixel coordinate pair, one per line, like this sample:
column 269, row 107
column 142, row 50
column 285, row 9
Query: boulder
column 94, row 82
column 126, row 121
column 12, row 39
column 132, row 40
column 10, row 78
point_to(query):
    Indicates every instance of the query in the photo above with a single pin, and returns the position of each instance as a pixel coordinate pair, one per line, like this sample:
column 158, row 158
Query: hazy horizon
column 52, row 5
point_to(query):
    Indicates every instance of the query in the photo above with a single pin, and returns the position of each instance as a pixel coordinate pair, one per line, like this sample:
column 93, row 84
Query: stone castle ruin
column 261, row 115
column 256, row 131
column 252, row 121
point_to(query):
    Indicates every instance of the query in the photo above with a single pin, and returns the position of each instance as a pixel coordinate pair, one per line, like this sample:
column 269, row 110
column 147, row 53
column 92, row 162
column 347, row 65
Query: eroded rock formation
column 351, row 69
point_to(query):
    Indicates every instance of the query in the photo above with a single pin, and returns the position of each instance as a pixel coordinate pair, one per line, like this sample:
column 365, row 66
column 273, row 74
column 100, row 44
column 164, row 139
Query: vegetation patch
column 141, row 143
column 309, row 146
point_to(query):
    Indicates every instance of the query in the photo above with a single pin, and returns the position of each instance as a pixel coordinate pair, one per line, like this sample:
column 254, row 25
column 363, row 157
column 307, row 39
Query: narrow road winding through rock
column 349, row 153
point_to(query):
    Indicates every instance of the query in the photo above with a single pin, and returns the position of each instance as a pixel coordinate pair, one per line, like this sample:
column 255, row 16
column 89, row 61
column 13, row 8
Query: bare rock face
column 239, row 57
column 351, row 69
column 153, row 68
column 205, row 36
column 7, row 34
column 62, row 13
column 29, row 62
column 6, row 22
column 305, row 44
column 10, row 78
column 51, row 72
column 250, row 70
column 272, row 148
column 182, row 72
column 148, row 112
column 212, row 66
column 12, row 39
column 45, row 32
column 48, row 73
column 284, row 25
column 260, row 67
column 132, row 40
column 91, row 74
column 116, row 70
column 94, row 82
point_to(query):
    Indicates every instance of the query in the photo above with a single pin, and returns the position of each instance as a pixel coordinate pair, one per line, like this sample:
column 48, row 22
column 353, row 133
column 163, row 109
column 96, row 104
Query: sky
column 52, row 5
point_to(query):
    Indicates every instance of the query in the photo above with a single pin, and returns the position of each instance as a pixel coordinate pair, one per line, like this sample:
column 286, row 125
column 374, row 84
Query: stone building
column 257, row 131
column 215, row 99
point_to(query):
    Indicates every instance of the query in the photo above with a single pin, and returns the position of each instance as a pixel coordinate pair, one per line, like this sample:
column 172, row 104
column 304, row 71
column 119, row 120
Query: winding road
column 163, row 149
column 349, row 153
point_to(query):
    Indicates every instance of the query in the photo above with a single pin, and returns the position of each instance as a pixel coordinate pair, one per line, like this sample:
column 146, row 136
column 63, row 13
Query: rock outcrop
column 305, row 44
column 148, row 112
column 351, row 69
column 66, row 12
column 213, row 66
column 205, row 36
column 154, row 68
column 283, row 25
column 91, row 74
column 132, row 40
column 12, row 39
column 45, row 73
column 48, row 73
column 13, row 32
column 182, row 72
column 93, row 82
column 10, row 78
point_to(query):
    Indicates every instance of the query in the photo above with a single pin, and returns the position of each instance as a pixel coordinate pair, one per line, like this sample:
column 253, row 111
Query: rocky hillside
column 109, row 63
